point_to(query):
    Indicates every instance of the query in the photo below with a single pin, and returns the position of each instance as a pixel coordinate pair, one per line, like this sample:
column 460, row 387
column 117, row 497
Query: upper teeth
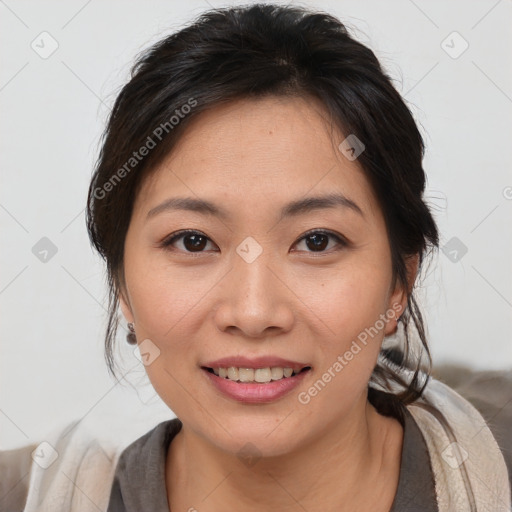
column 253, row 374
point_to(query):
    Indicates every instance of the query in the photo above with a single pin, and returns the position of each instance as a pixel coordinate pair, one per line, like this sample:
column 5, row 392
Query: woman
column 258, row 202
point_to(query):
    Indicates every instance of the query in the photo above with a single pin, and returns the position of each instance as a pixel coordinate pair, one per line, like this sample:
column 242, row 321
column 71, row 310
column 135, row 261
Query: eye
column 195, row 241
column 192, row 241
column 318, row 240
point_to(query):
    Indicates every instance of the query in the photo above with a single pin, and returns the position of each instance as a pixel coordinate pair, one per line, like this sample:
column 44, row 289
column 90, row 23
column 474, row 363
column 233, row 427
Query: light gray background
column 53, row 112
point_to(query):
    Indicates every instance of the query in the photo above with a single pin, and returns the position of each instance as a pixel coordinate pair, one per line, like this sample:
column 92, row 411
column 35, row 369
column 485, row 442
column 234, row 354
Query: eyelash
column 342, row 243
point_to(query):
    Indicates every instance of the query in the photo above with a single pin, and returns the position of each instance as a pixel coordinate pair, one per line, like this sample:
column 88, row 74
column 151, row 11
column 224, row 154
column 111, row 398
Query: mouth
column 257, row 379
column 255, row 386
column 264, row 375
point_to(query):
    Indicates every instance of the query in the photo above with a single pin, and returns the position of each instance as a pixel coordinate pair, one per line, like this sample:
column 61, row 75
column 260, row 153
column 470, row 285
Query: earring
column 130, row 337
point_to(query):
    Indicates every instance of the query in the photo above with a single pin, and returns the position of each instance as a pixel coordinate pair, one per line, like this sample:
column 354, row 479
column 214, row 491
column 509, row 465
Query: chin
column 248, row 438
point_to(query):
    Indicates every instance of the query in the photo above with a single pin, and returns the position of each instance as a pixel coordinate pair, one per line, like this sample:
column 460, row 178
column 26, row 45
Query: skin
column 251, row 157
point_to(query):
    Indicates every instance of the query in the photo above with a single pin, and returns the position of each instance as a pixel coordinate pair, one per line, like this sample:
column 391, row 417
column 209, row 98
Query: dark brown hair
column 256, row 51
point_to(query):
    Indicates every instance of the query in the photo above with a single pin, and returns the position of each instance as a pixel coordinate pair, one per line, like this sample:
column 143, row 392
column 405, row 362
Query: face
column 259, row 284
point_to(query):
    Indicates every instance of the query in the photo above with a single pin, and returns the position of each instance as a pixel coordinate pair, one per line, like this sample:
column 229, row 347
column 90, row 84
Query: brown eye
column 196, row 242
column 192, row 241
column 318, row 241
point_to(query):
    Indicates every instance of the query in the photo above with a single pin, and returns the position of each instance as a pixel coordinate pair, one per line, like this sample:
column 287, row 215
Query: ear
column 125, row 307
column 398, row 299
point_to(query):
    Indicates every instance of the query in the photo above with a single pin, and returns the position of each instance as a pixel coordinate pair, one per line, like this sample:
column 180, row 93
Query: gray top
column 139, row 481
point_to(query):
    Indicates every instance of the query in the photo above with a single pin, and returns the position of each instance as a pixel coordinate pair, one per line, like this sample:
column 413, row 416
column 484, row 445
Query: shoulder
column 71, row 457
column 139, row 479
column 73, row 462
column 490, row 392
column 15, row 470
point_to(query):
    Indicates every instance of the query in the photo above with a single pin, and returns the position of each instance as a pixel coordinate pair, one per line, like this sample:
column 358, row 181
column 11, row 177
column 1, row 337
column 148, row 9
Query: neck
column 352, row 463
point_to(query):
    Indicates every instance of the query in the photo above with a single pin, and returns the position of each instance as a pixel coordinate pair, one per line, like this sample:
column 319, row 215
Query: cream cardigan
column 469, row 470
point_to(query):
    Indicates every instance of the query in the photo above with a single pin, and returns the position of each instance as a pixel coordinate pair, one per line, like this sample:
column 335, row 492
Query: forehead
column 271, row 149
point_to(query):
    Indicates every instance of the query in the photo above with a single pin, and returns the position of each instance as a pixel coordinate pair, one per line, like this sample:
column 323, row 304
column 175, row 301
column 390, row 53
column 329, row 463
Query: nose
column 254, row 302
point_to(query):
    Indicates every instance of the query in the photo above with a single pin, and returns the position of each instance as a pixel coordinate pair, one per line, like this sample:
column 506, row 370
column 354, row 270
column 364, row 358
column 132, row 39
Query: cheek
column 349, row 304
column 163, row 301
column 164, row 296
column 347, row 299
column 350, row 339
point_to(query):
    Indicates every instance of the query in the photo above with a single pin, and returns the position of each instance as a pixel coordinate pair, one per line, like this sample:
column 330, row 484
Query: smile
column 259, row 375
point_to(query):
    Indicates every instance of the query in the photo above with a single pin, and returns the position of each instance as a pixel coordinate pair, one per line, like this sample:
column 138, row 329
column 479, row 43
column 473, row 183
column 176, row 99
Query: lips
column 253, row 392
column 233, row 377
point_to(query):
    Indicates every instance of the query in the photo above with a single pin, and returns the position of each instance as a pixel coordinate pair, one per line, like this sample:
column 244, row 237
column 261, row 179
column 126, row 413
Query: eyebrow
column 295, row 208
